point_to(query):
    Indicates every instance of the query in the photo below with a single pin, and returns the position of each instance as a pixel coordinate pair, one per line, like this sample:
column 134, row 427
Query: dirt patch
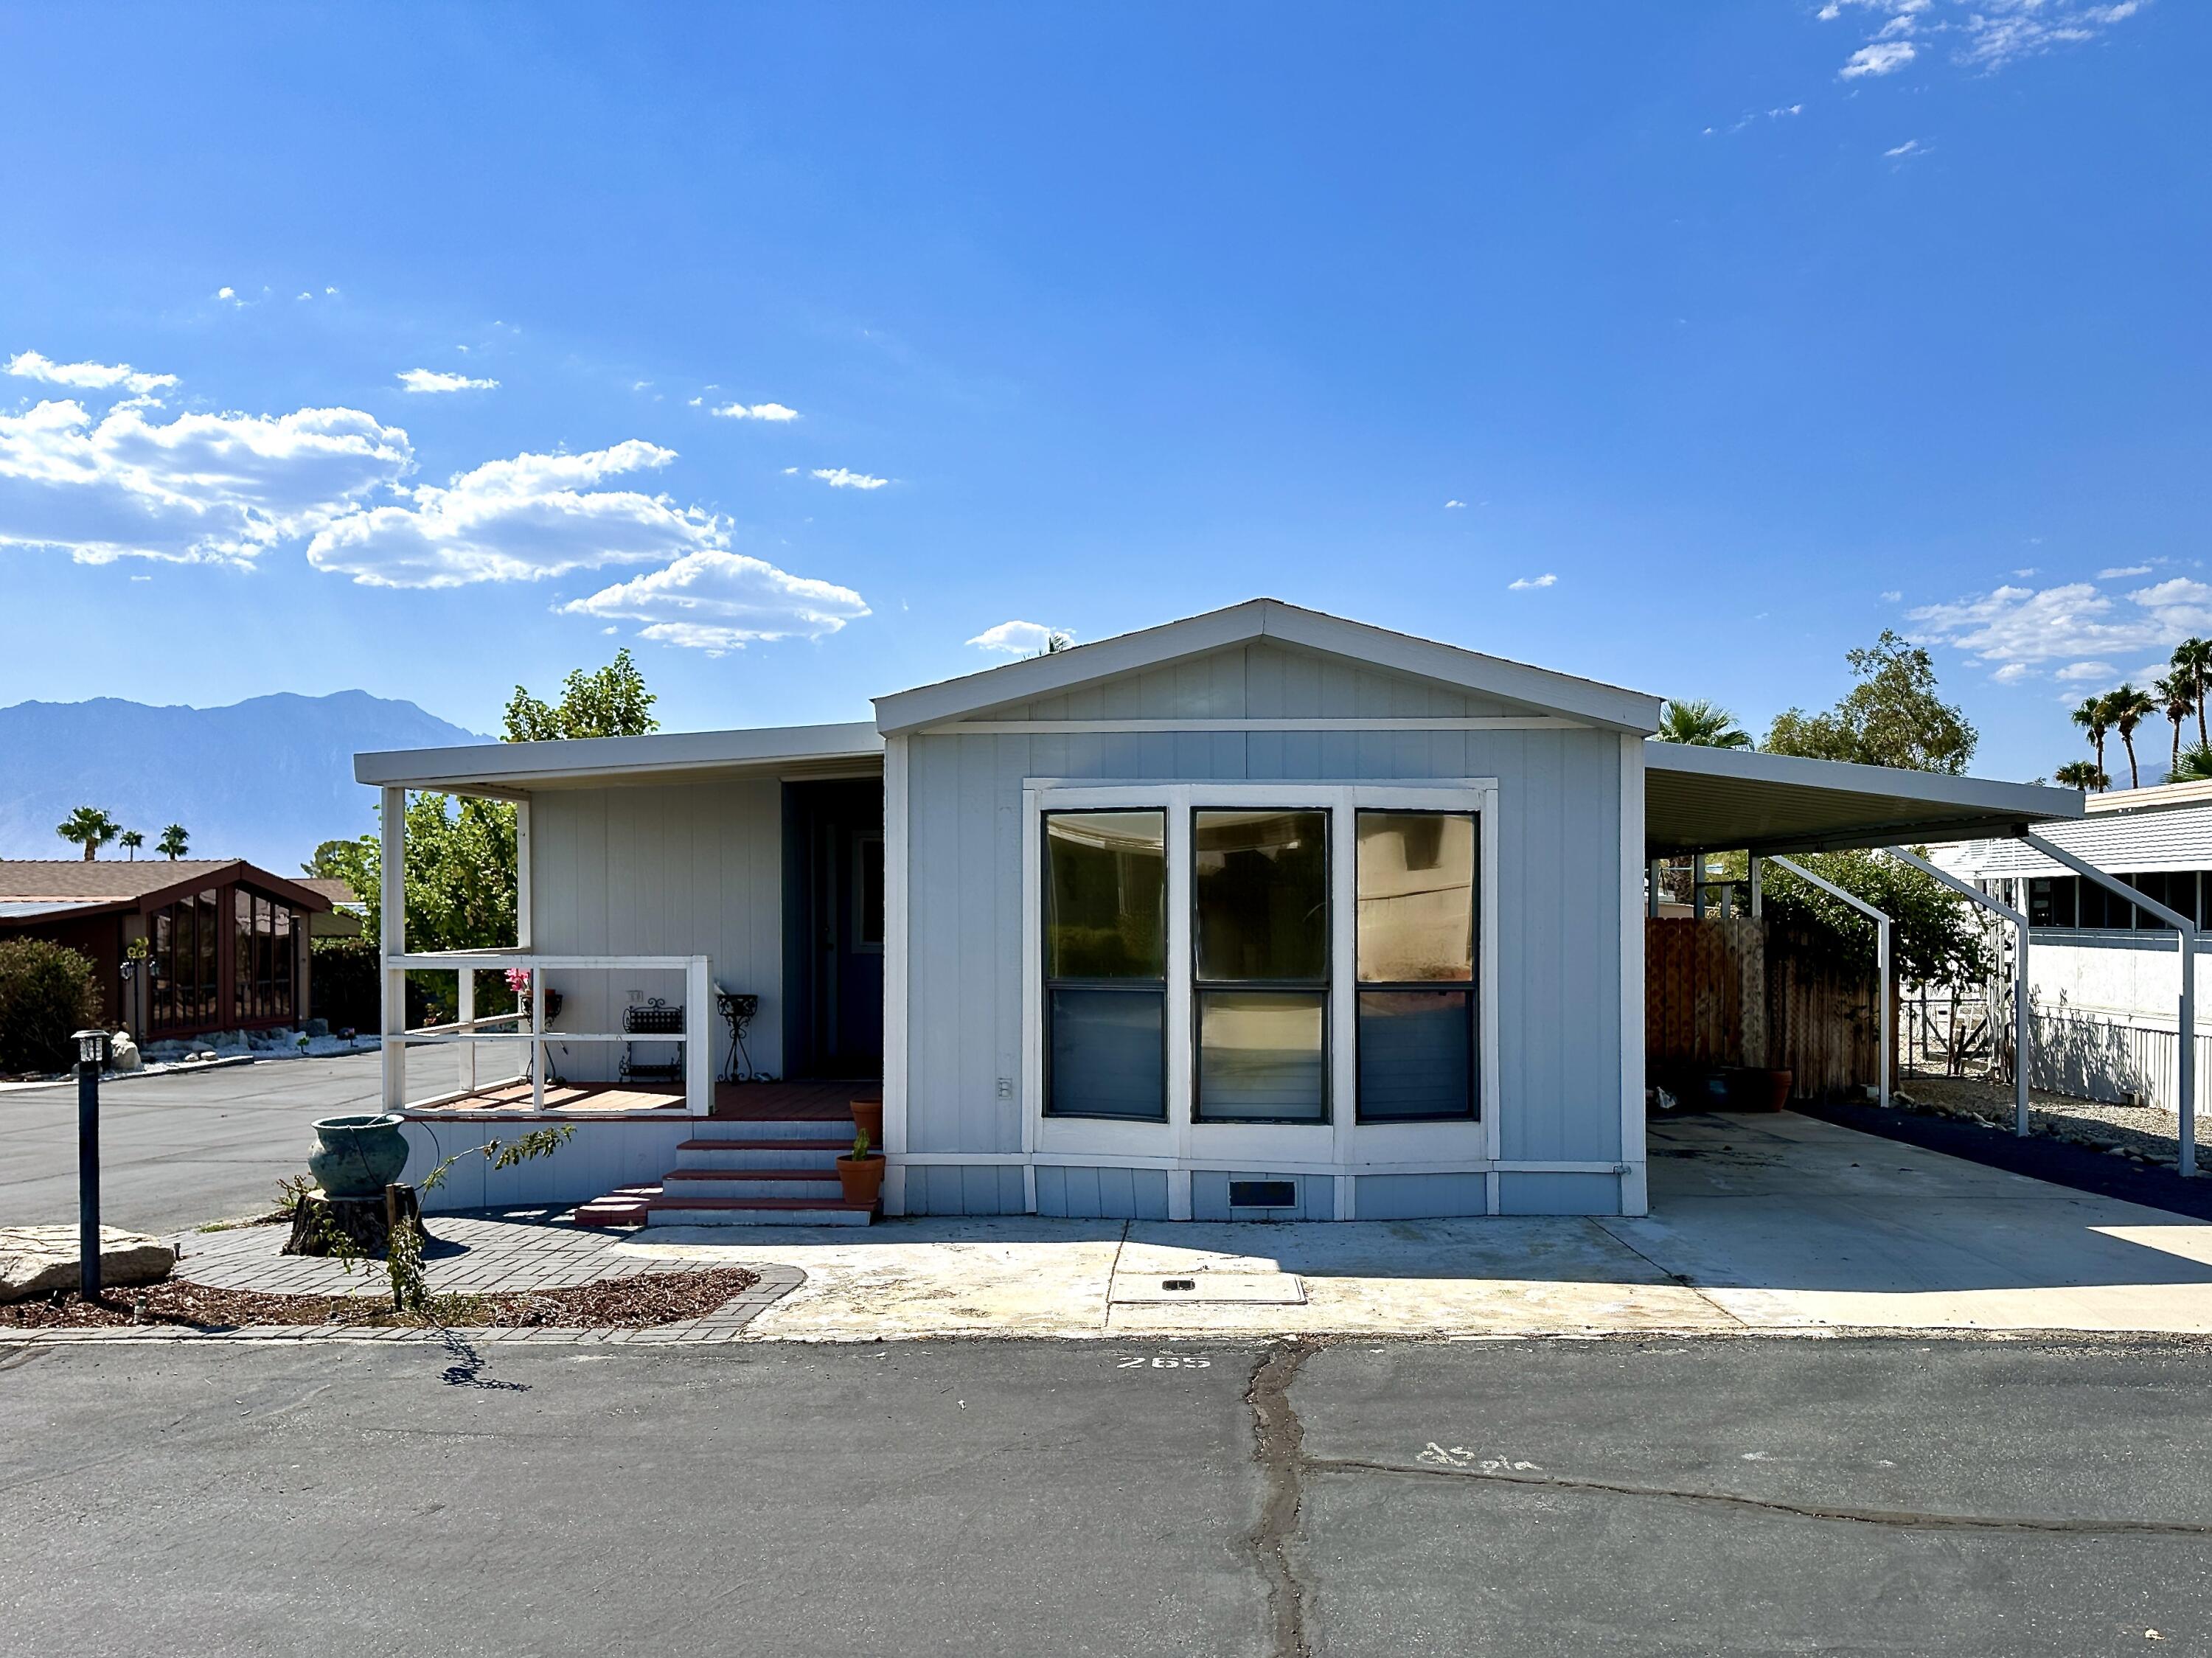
column 634, row 1303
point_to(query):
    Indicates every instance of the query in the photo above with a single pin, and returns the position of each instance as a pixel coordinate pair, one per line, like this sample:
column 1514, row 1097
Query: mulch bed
column 630, row 1303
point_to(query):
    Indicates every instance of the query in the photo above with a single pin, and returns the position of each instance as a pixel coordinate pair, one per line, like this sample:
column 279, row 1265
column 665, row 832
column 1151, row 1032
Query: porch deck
column 810, row 1100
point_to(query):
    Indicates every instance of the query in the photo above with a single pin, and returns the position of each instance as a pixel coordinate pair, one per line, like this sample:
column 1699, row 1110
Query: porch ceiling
column 1698, row 800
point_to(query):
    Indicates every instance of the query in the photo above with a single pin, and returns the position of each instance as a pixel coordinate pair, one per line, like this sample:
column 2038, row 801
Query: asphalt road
column 178, row 1148
column 1723, row 1496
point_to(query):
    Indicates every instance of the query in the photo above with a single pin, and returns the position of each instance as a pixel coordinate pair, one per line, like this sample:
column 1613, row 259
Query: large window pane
column 1262, row 887
column 1105, row 895
column 1262, row 1055
column 1416, row 896
column 1416, row 1054
column 1106, row 1059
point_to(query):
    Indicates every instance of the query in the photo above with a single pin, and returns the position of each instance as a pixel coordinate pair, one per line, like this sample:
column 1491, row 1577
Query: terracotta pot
column 1750, row 1089
column 862, row 1177
column 868, row 1119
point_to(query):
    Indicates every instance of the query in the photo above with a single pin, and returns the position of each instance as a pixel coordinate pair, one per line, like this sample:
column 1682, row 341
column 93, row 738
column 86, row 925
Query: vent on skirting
column 1263, row 1194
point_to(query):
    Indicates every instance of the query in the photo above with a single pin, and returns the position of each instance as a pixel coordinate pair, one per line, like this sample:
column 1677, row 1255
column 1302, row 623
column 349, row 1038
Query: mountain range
column 264, row 780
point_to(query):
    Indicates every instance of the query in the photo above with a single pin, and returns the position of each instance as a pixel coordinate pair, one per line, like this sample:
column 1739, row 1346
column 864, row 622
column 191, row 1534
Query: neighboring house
column 1259, row 914
column 2103, row 973
column 227, row 941
column 343, row 919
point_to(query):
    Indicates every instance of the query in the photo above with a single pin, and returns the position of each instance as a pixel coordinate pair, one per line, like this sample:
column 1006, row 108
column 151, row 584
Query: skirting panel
column 1241, row 1196
column 944, row 1188
column 1557, row 1194
column 1102, row 1193
column 1422, row 1197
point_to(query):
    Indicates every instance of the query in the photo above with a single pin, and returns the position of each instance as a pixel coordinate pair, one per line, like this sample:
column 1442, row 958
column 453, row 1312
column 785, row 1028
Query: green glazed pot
column 358, row 1155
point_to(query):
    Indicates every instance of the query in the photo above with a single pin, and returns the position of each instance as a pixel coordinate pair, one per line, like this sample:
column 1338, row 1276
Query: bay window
column 1260, row 883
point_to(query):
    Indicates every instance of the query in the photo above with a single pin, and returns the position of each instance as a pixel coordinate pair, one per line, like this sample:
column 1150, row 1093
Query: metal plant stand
column 738, row 1012
column 655, row 1018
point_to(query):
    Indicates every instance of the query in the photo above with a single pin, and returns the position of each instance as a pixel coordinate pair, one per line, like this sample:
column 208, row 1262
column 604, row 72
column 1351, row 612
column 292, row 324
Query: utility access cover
column 1212, row 1289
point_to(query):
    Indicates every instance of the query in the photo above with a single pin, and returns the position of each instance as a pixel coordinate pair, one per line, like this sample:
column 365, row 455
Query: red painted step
column 623, row 1206
column 679, row 1202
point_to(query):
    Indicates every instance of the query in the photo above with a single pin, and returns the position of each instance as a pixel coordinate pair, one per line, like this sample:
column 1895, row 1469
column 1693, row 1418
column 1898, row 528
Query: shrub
column 47, row 993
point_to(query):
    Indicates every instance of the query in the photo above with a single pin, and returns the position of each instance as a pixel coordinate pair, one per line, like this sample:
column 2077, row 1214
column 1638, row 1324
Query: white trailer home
column 1259, row 914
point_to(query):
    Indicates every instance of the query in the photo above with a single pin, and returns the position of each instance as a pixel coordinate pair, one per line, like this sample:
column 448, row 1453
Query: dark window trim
column 1325, row 986
column 1472, row 987
column 1136, row 986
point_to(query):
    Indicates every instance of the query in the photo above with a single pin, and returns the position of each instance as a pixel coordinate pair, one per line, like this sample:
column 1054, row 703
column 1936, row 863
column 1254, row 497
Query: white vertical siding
column 661, row 870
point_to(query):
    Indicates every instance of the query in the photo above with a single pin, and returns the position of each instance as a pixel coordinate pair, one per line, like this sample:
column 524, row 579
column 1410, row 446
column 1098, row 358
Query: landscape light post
column 91, row 1055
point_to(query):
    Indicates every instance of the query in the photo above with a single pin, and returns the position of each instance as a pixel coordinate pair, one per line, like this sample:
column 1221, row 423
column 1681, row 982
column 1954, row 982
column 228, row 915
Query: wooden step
column 688, row 1183
column 756, row 1212
column 818, row 1155
column 623, row 1206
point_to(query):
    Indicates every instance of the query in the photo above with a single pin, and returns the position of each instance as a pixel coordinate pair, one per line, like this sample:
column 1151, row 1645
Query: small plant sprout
column 860, row 1145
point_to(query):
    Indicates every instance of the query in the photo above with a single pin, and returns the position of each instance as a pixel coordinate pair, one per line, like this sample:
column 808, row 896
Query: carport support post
column 1651, row 889
column 1881, row 957
column 393, row 944
column 1757, row 893
column 1697, row 886
column 2019, row 1003
column 2185, row 1060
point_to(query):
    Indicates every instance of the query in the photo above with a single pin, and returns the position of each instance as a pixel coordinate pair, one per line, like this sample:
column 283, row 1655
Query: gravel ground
column 2144, row 1133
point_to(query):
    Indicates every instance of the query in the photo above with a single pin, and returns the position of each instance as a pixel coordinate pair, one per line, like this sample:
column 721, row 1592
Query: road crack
column 1908, row 1519
column 1277, row 1446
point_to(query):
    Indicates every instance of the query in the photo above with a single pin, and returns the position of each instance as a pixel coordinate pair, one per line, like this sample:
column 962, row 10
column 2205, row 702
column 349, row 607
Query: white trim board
column 1169, row 727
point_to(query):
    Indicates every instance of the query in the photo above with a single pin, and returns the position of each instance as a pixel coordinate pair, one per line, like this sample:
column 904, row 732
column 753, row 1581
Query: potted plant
column 861, row 1172
column 868, row 1120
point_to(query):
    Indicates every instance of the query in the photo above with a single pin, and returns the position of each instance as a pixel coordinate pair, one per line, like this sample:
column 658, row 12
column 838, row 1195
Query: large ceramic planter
column 358, row 1155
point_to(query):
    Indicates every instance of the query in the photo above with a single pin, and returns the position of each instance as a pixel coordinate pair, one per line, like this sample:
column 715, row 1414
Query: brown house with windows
column 224, row 942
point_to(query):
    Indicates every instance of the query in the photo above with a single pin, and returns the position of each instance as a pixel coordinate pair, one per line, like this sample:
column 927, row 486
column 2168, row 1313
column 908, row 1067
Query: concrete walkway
column 1757, row 1223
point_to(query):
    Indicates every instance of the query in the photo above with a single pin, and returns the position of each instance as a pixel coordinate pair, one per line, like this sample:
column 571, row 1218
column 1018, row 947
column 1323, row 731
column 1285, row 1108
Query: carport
column 1702, row 800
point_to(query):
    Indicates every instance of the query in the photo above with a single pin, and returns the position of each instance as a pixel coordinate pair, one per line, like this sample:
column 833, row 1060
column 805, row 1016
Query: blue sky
column 1680, row 346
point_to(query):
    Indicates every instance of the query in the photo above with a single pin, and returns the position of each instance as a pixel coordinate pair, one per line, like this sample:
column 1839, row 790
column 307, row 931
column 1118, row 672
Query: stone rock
column 35, row 1260
column 123, row 1054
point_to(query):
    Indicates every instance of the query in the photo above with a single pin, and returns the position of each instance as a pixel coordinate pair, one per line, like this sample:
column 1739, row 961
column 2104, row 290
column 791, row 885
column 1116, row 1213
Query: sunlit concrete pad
column 1205, row 1286
column 1789, row 1223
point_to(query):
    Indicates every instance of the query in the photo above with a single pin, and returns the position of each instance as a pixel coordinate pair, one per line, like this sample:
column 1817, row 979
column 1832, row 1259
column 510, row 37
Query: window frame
column 1472, row 987
column 1162, row 986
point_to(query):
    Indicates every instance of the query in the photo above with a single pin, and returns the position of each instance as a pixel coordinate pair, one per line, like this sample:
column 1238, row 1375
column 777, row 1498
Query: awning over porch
column 1701, row 799
column 497, row 768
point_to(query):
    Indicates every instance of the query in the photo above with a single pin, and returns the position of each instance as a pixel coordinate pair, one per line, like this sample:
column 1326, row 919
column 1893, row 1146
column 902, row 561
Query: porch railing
column 469, row 1033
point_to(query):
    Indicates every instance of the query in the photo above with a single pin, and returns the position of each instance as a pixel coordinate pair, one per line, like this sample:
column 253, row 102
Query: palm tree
column 1703, row 724
column 174, row 841
column 2082, row 774
column 2126, row 708
column 2195, row 765
column 2175, row 694
column 2090, row 716
column 130, row 841
column 2192, row 662
column 88, row 827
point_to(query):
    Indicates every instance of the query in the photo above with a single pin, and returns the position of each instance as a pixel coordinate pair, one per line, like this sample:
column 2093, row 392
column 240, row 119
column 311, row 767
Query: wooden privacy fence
column 1735, row 992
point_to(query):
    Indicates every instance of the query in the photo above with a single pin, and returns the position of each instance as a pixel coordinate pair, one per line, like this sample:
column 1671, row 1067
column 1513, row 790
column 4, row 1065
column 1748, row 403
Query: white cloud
column 717, row 601
column 1878, row 57
column 229, row 294
column 201, row 487
column 2023, row 626
column 87, row 376
column 2119, row 571
column 1544, row 581
column 837, row 477
column 2011, row 674
column 2076, row 672
column 1015, row 638
column 768, row 411
column 1891, row 596
column 517, row 520
column 1909, row 147
column 433, row 379
column 1450, row 504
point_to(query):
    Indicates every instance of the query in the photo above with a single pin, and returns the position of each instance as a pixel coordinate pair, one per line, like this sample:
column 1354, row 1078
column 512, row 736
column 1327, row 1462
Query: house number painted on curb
column 1458, row 1456
column 1163, row 1361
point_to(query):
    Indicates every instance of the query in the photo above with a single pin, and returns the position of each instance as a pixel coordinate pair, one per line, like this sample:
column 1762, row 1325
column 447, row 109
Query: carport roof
column 1700, row 800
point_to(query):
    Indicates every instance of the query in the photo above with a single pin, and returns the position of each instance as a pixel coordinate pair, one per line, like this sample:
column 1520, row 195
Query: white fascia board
column 1266, row 618
column 493, row 765
column 2027, row 802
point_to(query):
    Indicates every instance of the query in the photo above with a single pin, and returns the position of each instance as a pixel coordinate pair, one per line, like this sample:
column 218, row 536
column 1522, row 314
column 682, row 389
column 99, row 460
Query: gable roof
column 1013, row 683
column 127, row 883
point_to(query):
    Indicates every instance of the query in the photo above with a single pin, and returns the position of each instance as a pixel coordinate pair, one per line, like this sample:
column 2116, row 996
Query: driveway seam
column 1675, row 1279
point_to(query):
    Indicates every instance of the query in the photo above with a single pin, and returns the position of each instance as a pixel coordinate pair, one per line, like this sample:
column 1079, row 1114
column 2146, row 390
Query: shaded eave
column 497, row 769
column 1700, row 800
column 1587, row 700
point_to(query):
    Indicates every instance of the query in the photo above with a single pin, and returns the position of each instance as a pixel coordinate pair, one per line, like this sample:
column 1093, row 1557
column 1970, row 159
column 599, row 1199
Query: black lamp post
column 91, row 1055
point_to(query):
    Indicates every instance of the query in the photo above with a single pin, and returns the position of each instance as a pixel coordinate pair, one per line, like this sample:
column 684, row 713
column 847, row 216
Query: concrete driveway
column 179, row 1149
column 1758, row 1223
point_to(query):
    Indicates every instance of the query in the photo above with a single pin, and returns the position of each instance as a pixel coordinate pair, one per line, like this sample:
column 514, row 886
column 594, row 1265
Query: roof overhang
column 497, row 769
column 1700, row 800
column 1536, row 688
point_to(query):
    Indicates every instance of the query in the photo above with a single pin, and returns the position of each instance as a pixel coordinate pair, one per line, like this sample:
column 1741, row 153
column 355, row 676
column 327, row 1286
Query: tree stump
column 364, row 1221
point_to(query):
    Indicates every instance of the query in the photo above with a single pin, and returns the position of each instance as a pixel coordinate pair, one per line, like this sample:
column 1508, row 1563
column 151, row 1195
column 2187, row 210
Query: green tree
column 130, row 841
column 1934, row 938
column 2126, row 708
column 1699, row 722
column 2089, row 715
column 173, row 841
column 1892, row 717
column 2173, row 694
column 88, row 827
column 2195, row 765
column 2084, row 775
column 2192, row 665
column 610, row 701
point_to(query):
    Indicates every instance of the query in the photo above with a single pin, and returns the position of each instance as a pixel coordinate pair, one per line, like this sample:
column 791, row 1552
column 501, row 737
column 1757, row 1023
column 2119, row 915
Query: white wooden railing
column 469, row 1033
